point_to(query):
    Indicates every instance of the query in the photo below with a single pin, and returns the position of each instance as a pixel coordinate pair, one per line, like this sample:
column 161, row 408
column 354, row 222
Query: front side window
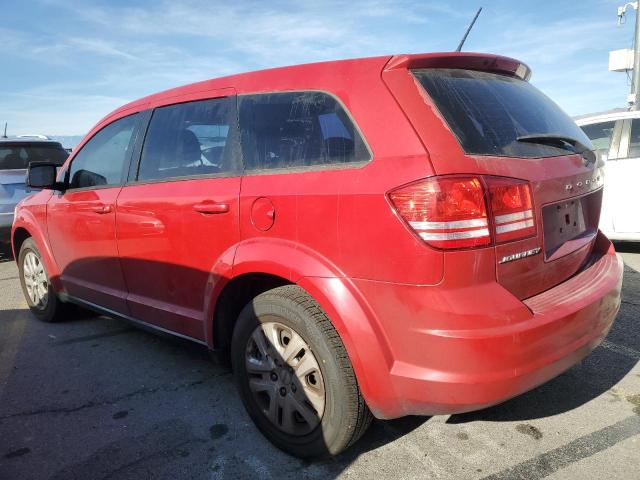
column 190, row 139
column 600, row 135
column 297, row 129
column 493, row 114
column 103, row 159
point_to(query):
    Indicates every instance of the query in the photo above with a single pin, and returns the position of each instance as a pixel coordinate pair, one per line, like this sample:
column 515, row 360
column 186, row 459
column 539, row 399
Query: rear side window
column 297, row 129
column 488, row 113
column 191, row 139
column 103, row 159
column 19, row 155
column 600, row 135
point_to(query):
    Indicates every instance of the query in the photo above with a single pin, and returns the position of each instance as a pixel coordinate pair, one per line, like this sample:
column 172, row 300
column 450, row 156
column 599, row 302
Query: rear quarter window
column 297, row 129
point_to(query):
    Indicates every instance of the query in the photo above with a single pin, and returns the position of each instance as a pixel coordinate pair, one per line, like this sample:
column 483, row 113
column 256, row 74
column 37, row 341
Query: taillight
column 446, row 212
column 450, row 212
column 512, row 208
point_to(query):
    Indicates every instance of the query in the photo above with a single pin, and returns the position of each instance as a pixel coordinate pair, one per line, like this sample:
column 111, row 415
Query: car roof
column 334, row 76
column 606, row 116
column 28, row 141
column 309, row 74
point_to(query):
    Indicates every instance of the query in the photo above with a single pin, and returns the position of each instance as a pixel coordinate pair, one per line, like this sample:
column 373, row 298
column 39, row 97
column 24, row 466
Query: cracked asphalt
column 95, row 398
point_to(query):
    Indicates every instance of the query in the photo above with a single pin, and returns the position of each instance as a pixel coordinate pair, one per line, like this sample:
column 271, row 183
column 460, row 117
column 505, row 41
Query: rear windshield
column 487, row 112
column 14, row 156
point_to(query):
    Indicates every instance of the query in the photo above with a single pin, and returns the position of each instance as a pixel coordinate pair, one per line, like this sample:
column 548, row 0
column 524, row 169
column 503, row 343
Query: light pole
column 634, row 96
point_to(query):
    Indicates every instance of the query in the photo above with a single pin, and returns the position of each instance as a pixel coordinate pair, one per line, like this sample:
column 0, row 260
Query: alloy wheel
column 35, row 280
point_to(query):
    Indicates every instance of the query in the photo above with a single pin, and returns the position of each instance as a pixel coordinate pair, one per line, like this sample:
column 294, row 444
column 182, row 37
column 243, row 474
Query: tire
column 319, row 410
column 50, row 308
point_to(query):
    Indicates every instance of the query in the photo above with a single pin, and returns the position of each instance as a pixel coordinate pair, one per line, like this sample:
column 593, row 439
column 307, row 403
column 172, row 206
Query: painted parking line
column 583, row 447
column 621, row 349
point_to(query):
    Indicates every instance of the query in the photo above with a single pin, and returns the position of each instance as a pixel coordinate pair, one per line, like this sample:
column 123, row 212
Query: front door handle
column 101, row 209
column 209, row 208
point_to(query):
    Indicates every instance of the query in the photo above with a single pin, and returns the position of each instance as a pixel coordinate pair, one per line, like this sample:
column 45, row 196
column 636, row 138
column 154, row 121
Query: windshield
column 489, row 112
column 14, row 156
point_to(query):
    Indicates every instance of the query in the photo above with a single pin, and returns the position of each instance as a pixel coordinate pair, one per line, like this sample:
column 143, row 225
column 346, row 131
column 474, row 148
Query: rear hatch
column 12, row 189
column 15, row 156
column 479, row 116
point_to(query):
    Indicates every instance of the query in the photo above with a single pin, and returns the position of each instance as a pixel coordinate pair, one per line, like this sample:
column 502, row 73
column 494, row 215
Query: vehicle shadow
column 380, row 433
column 282, row 383
column 190, row 404
column 179, row 408
column 5, row 253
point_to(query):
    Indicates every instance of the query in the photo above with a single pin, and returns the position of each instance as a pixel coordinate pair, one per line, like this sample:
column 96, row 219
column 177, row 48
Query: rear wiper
column 563, row 142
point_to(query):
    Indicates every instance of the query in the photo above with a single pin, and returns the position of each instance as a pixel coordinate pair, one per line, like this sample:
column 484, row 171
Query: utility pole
column 635, row 84
column 634, row 95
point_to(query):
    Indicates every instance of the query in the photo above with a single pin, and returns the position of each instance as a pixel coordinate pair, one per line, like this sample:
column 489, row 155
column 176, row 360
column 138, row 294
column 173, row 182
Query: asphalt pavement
column 96, row 398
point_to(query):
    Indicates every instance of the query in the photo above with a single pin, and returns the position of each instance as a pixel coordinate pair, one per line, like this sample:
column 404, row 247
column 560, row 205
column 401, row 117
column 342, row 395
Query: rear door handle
column 209, row 208
column 101, row 209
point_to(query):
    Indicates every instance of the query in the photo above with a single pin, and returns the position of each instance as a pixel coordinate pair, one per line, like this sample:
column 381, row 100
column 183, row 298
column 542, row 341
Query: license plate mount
column 563, row 221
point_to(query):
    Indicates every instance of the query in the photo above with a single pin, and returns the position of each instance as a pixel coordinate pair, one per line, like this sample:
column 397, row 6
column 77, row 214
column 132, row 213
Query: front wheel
column 294, row 375
column 41, row 298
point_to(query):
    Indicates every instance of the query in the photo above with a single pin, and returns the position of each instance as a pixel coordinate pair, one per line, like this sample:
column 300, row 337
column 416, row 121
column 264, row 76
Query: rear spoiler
column 469, row 61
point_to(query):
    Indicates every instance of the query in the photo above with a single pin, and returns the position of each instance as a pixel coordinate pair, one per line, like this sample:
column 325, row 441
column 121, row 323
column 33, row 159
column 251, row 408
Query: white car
column 616, row 136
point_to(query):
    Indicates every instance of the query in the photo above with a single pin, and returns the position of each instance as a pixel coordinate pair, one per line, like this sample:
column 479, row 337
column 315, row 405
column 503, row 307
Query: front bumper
column 452, row 370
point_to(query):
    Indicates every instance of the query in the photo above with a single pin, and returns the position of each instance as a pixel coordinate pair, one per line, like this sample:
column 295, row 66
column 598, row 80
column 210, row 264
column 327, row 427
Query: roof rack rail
column 41, row 137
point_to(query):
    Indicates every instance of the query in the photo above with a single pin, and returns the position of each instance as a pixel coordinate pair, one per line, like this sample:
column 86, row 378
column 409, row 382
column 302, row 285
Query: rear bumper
column 477, row 362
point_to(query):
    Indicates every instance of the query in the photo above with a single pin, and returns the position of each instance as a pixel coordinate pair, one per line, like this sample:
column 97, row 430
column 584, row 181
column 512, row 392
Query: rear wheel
column 294, row 375
column 41, row 298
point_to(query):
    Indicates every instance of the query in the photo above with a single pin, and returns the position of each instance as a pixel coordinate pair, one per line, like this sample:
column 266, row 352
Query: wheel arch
column 236, row 293
column 26, row 227
column 249, row 268
column 363, row 338
column 261, row 266
column 20, row 234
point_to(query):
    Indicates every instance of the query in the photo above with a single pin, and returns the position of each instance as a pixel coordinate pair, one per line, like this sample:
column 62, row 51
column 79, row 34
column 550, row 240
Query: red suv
column 405, row 235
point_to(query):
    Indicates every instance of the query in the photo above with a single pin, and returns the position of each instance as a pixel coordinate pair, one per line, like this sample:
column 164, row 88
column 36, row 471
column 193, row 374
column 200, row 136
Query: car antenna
column 468, row 30
column 5, row 130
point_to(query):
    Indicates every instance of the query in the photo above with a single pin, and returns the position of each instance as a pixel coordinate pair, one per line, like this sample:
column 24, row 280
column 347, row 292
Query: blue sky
column 65, row 64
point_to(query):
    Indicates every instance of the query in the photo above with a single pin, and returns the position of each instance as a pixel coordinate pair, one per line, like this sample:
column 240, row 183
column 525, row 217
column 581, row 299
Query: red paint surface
column 427, row 332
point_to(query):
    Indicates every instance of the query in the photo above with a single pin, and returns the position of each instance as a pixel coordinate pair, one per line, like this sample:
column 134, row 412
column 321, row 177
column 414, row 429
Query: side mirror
column 42, row 175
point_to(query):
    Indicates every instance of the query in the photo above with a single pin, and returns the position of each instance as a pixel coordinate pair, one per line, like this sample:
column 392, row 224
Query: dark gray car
column 15, row 156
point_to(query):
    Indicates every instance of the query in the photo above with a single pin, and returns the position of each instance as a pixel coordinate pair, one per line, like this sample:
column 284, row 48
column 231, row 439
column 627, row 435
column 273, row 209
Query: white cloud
column 64, row 114
column 569, row 57
column 268, row 32
column 98, row 46
column 130, row 51
column 115, row 53
column 550, row 43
